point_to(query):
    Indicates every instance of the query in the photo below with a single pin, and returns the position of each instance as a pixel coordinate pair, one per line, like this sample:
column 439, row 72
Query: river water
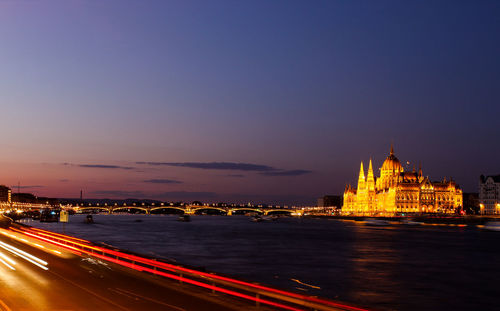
column 396, row 267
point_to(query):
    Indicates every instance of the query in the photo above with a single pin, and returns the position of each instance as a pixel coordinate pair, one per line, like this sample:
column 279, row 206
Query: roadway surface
column 83, row 283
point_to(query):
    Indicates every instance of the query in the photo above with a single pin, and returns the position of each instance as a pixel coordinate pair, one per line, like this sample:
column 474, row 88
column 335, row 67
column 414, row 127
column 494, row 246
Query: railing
column 216, row 283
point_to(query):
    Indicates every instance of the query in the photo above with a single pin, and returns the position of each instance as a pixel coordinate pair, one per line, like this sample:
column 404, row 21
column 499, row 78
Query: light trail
column 39, row 238
column 4, row 307
column 27, row 242
column 6, row 264
column 61, row 235
column 49, row 236
column 302, row 283
column 26, row 256
column 7, row 259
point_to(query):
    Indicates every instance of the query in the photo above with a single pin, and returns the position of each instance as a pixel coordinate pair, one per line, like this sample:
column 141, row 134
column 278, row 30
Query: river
column 394, row 267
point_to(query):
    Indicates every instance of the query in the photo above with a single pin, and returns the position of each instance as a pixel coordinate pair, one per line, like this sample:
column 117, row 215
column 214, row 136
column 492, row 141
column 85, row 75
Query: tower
column 361, row 178
column 361, row 192
column 389, row 171
column 370, row 179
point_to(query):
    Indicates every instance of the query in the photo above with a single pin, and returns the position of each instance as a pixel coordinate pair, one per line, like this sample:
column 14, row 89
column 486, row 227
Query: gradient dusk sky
column 262, row 101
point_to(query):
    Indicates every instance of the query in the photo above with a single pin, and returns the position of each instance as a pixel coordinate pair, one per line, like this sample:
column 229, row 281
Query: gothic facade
column 397, row 191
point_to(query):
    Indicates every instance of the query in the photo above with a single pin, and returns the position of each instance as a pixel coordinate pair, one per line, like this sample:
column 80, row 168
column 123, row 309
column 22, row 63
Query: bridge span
column 190, row 209
column 186, row 209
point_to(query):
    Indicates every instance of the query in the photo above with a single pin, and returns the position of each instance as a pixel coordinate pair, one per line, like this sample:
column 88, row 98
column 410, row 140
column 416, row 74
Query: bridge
column 189, row 209
column 165, row 208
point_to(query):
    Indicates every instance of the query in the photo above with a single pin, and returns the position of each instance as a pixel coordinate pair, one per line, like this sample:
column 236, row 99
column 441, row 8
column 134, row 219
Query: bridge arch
column 209, row 208
column 128, row 209
column 92, row 209
column 174, row 209
column 244, row 210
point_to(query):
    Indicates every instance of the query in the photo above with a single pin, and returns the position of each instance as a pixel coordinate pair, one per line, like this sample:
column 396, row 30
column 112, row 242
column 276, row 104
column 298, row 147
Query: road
column 82, row 283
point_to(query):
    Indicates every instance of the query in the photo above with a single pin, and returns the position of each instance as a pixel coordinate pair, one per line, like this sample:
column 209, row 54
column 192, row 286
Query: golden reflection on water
column 372, row 264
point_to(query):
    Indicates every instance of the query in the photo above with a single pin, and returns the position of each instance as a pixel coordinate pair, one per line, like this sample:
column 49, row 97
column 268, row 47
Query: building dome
column 392, row 163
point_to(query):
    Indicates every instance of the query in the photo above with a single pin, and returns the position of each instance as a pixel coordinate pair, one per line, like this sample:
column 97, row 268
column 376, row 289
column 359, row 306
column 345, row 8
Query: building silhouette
column 489, row 194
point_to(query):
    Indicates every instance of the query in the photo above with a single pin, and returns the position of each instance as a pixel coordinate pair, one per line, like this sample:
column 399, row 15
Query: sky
column 244, row 101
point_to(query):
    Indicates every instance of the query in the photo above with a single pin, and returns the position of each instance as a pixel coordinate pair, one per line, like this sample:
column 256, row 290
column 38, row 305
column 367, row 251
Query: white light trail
column 7, row 259
column 28, row 257
column 9, row 266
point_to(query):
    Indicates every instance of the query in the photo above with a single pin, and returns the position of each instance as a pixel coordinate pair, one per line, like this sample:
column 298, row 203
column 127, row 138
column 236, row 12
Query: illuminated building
column 5, row 194
column 489, row 194
column 399, row 192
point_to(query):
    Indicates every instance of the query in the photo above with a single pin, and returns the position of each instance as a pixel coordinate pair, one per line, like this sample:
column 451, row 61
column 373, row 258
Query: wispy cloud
column 103, row 166
column 286, row 173
column 215, row 165
column 163, row 181
column 120, row 194
column 169, row 195
column 63, row 180
column 265, row 170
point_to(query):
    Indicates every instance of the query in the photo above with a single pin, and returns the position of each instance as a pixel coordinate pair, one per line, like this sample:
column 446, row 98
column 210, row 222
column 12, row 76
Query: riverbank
column 457, row 220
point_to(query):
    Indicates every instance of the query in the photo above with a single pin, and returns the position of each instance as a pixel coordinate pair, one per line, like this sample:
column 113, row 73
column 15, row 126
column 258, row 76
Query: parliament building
column 398, row 192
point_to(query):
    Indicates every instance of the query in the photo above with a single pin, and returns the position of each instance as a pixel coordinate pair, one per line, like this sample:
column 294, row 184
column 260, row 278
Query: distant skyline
column 262, row 101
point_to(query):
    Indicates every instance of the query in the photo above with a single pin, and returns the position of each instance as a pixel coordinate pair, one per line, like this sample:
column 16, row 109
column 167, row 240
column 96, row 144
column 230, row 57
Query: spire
column 361, row 179
column 370, row 179
column 392, row 149
column 361, row 171
column 420, row 169
column 370, row 169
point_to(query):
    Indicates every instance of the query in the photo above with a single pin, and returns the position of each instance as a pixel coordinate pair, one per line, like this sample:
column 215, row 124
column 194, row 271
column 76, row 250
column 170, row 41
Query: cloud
column 264, row 170
column 120, row 193
column 104, row 166
column 27, row 187
column 169, row 195
column 215, row 166
column 64, row 180
column 163, row 181
column 286, row 173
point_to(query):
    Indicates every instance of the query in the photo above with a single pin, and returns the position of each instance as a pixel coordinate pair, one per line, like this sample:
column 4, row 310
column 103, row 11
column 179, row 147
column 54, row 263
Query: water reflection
column 372, row 274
